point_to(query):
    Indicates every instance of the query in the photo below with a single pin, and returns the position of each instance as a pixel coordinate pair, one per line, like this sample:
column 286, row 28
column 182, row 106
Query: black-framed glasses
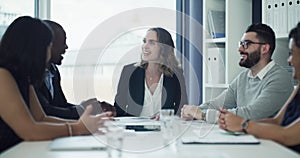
column 246, row 44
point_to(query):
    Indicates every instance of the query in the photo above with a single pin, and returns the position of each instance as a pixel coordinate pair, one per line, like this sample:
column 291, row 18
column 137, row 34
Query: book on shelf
column 216, row 23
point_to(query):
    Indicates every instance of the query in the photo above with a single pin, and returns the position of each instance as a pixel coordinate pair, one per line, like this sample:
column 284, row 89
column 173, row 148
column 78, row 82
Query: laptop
column 74, row 143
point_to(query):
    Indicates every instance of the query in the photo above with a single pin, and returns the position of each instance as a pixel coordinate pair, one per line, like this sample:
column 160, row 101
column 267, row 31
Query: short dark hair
column 53, row 25
column 295, row 34
column 264, row 33
column 23, row 48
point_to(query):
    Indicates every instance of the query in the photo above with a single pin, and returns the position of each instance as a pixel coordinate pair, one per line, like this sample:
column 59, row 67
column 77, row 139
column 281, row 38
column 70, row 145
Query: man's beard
column 251, row 60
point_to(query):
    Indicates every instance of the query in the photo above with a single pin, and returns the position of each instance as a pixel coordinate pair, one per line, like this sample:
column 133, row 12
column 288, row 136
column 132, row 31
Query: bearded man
column 257, row 92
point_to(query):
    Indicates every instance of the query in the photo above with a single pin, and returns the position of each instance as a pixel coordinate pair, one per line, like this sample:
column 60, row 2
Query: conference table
column 151, row 144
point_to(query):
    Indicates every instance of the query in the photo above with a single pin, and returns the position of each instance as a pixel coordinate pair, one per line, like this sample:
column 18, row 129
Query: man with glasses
column 257, row 92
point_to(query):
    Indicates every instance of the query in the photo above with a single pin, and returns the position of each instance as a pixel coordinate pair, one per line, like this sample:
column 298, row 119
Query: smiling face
column 59, row 46
column 250, row 51
column 151, row 47
column 294, row 58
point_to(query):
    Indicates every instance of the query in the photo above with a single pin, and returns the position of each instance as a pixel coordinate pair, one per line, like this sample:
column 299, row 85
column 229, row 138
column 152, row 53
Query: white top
column 152, row 103
column 48, row 80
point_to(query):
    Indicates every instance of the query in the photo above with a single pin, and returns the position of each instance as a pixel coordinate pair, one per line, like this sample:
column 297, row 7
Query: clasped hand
column 229, row 121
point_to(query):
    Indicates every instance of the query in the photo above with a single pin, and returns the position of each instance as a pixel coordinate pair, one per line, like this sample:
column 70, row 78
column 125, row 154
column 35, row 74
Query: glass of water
column 167, row 117
column 114, row 137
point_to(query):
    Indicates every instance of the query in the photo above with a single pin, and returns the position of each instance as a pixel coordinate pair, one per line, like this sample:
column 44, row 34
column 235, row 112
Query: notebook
column 219, row 137
column 78, row 143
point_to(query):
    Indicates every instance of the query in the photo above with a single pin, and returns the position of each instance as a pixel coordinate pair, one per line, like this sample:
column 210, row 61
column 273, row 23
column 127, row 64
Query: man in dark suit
column 50, row 93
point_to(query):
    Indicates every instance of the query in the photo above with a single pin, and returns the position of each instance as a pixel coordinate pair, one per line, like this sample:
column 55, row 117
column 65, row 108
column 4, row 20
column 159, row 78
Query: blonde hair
column 167, row 59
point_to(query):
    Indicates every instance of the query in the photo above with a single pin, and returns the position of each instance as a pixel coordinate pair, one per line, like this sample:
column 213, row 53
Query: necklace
column 152, row 75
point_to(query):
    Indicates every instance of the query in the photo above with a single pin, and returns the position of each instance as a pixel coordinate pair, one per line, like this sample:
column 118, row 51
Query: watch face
column 245, row 125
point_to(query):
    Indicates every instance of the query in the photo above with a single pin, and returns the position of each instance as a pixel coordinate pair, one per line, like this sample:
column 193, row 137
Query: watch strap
column 203, row 115
column 245, row 125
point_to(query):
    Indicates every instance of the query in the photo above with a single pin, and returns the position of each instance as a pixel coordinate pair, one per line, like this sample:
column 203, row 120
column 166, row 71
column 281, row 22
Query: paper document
column 78, row 143
column 219, row 137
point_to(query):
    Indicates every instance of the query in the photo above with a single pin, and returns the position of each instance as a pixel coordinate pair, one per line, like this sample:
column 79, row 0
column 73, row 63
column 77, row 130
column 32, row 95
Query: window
column 102, row 37
column 10, row 10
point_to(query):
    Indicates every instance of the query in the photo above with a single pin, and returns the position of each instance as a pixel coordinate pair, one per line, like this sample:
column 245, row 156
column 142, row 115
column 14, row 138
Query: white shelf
column 282, row 35
column 238, row 16
column 208, row 85
column 216, row 40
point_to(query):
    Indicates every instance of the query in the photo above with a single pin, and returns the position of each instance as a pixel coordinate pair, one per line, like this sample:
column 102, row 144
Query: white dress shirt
column 48, row 80
column 152, row 103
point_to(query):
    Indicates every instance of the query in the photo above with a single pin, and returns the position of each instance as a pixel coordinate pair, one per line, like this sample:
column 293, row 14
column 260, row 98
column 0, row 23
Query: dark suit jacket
column 58, row 106
column 131, row 90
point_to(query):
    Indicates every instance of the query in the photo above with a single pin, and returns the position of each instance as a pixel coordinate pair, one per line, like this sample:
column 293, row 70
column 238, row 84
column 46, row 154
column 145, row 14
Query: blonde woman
column 154, row 83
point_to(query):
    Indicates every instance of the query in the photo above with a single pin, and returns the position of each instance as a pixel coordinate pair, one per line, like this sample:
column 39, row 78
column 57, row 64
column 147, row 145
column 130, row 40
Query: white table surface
column 150, row 145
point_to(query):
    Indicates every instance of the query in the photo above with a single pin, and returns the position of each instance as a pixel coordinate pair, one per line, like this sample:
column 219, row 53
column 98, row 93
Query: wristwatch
column 203, row 115
column 245, row 124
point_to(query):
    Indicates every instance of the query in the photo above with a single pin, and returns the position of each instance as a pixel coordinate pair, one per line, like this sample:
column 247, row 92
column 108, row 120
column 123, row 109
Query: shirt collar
column 261, row 74
column 52, row 69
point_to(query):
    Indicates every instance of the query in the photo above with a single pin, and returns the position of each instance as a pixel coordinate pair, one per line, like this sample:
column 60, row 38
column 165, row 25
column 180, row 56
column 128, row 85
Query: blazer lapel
column 168, row 92
column 137, row 90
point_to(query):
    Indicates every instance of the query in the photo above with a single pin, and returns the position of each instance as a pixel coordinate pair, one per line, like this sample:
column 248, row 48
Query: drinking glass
column 114, row 137
column 166, row 118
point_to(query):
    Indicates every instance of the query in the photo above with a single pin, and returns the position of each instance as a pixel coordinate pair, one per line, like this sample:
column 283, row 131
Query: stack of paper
column 90, row 142
column 219, row 137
